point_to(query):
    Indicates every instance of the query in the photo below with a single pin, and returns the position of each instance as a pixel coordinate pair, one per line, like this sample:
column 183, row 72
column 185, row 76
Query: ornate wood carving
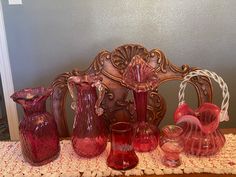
column 118, row 102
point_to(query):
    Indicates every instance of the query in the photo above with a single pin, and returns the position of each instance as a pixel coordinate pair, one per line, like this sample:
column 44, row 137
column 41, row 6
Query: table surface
column 225, row 131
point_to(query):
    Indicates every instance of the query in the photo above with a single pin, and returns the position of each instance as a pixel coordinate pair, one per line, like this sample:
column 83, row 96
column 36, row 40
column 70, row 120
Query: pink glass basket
column 202, row 135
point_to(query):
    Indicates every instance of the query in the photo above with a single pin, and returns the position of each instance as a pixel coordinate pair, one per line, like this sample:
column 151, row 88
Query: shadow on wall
column 4, row 131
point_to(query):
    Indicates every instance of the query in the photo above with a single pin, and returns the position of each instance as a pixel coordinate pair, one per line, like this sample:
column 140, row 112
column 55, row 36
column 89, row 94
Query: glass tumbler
column 122, row 155
column 171, row 143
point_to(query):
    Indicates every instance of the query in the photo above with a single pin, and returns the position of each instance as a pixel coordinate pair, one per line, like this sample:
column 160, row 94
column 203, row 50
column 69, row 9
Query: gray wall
column 48, row 37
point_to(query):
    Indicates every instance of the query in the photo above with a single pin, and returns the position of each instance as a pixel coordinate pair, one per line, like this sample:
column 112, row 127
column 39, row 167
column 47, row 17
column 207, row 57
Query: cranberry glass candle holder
column 122, row 155
column 141, row 78
column 38, row 131
column 171, row 143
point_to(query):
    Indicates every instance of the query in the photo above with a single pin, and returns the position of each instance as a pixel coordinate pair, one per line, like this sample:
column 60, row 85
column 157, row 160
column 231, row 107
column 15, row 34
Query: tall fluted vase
column 141, row 78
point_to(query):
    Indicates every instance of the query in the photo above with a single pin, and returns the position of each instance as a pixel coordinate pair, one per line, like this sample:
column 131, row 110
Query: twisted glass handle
column 225, row 92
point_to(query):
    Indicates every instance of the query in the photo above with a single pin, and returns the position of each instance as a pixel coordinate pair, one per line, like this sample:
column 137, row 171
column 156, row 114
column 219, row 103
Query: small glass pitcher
column 89, row 136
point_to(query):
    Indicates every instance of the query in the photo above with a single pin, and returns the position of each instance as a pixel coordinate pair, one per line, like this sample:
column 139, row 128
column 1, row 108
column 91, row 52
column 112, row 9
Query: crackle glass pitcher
column 89, row 136
column 37, row 130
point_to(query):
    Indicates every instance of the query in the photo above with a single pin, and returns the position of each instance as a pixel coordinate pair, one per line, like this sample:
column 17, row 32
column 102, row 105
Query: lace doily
column 70, row 164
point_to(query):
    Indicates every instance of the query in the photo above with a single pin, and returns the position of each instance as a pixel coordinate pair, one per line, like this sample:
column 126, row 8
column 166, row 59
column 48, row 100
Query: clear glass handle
column 95, row 81
column 101, row 94
column 71, row 82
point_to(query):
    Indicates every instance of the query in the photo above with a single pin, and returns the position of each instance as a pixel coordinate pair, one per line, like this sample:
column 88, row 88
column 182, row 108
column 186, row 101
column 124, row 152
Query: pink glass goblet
column 122, row 155
column 171, row 143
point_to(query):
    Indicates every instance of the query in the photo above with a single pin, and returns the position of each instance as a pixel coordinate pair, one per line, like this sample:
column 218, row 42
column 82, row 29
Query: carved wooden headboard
column 118, row 103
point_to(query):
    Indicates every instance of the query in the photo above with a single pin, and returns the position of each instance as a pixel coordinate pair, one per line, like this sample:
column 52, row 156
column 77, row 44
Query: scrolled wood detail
column 118, row 103
column 122, row 55
column 156, row 107
column 168, row 71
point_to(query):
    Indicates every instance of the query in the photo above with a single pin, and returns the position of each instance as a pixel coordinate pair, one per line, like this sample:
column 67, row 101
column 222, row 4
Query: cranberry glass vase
column 171, row 143
column 146, row 134
column 38, row 131
column 89, row 136
column 122, row 155
column 141, row 78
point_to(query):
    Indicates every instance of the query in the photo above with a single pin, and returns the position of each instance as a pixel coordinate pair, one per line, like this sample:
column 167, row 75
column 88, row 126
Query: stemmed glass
column 171, row 143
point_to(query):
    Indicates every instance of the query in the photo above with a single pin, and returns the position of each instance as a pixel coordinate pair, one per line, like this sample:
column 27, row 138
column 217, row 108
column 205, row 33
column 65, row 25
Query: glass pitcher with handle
column 89, row 135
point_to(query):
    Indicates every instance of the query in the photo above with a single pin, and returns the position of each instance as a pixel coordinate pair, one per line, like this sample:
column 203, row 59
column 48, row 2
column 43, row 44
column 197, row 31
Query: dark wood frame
column 118, row 104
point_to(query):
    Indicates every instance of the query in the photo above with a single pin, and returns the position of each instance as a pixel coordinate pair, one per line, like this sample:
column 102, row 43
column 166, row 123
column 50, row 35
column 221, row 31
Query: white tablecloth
column 70, row 164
